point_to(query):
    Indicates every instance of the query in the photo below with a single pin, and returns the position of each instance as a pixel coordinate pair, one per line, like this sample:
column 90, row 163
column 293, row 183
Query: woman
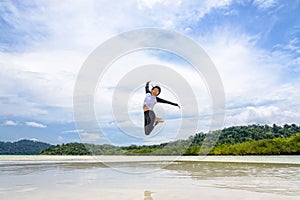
column 149, row 102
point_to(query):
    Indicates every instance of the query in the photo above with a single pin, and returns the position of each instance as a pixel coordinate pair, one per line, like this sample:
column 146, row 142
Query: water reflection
column 82, row 179
column 268, row 178
column 148, row 195
column 208, row 170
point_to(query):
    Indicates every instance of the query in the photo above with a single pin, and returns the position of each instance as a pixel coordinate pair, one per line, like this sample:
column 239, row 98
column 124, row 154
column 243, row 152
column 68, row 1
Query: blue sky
column 254, row 44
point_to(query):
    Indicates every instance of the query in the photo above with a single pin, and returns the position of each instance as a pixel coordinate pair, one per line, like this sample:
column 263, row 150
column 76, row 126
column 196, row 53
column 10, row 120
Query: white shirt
column 150, row 101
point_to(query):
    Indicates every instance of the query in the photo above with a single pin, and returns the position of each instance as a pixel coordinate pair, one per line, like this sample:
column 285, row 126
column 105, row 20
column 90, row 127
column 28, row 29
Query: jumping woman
column 149, row 102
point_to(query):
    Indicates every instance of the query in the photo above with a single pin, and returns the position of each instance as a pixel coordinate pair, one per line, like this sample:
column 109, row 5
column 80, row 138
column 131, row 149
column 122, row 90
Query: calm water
column 146, row 178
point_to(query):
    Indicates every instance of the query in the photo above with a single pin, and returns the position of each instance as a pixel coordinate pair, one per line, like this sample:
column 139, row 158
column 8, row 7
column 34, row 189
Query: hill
column 22, row 147
column 261, row 139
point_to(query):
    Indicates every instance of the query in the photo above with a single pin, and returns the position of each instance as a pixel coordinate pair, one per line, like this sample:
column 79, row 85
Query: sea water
column 149, row 177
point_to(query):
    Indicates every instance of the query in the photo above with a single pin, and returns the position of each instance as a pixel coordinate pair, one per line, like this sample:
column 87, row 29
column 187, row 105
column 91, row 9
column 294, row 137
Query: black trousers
column 150, row 121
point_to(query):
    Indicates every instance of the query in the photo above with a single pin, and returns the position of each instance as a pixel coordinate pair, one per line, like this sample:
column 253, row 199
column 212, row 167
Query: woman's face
column 155, row 92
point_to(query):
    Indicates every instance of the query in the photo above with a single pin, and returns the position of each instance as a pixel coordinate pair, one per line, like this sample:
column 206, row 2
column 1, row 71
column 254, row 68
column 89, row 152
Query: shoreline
column 31, row 159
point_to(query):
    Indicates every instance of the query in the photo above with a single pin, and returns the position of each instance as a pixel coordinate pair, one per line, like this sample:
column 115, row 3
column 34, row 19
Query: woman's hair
column 159, row 90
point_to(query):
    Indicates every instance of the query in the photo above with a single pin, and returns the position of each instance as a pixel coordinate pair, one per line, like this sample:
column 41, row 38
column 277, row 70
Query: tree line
column 238, row 140
column 277, row 146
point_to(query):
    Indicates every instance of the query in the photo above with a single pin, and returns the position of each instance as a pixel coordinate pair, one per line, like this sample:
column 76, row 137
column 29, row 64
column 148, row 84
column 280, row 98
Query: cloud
column 45, row 46
column 35, row 124
column 74, row 131
column 265, row 114
column 179, row 15
column 62, row 38
column 21, row 25
column 10, row 123
column 34, row 140
column 260, row 85
column 89, row 137
column 265, row 4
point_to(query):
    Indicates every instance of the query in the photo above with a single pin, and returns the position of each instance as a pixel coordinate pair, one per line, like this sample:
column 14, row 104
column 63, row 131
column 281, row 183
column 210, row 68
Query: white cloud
column 74, row 131
column 10, row 123
column 238, row 62
column 151, row 3
column 38, row 81
column 267, row 114
column 265, row 4
column 34, row 140
column 254, row 76
column 88, row 137
column 178, row 14
column 36, row 125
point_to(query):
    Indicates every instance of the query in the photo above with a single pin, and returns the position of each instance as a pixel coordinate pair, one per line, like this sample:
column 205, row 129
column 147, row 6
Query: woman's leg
column 147, row 118
column 150, row 120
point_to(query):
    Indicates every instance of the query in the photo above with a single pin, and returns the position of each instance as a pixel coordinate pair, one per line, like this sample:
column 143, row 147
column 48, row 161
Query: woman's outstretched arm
column 165, row 101
column 147, row 87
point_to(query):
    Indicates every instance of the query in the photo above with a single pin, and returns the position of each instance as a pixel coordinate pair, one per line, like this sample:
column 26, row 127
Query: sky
column 254, row 45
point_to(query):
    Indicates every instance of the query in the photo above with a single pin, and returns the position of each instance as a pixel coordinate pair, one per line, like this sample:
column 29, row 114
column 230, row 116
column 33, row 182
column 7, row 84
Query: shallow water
column 123, row 177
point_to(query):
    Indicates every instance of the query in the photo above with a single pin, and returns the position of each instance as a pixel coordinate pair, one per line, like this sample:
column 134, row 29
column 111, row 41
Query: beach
column 149, row 177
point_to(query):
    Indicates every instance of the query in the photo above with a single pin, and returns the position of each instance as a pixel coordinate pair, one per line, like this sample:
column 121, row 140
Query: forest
column 237, row 140
column 22, row 147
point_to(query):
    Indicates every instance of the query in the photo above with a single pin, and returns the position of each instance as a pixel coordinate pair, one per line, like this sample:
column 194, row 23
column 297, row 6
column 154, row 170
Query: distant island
column 22, row 147
column 236, row 140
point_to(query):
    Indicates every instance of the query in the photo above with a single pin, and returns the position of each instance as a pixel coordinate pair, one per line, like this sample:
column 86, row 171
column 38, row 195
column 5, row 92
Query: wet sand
column 146, row 178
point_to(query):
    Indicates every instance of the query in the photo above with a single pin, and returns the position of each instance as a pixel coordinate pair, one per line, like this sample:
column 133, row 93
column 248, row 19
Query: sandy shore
column 206, row 193
column 122, row 159
column 146, row 178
